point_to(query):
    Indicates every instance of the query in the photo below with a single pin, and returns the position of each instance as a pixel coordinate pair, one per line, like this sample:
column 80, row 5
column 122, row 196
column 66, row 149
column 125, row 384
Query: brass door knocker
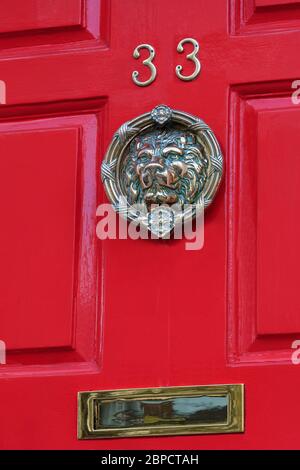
column 160, row 161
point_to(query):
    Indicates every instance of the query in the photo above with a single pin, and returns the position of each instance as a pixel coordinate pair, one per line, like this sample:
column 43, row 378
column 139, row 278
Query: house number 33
column 148, row 62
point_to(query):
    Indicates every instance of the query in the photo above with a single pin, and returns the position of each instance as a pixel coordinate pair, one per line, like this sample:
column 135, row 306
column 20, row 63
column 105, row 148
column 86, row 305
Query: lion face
column 164, row 167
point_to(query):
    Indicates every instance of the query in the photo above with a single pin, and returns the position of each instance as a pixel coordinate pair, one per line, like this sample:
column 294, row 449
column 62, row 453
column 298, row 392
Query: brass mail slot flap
column 211, row 409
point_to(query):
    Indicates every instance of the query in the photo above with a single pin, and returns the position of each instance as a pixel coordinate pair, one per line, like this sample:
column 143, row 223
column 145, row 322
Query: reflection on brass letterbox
column 209, row 409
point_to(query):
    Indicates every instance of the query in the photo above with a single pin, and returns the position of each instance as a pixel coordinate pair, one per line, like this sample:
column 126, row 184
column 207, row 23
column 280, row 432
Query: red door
column 82, row 314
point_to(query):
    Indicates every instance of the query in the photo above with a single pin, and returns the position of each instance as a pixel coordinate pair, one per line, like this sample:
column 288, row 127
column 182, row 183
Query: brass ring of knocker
column 163, row 158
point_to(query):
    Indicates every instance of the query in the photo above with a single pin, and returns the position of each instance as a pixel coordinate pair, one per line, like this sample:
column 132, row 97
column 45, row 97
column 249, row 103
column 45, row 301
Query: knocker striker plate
column 160, row 167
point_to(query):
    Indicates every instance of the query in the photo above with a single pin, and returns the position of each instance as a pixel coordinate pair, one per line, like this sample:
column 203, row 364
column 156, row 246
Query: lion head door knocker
column 158, row 162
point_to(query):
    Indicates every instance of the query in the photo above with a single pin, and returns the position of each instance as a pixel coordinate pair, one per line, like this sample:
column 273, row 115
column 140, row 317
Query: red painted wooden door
column 80, row 314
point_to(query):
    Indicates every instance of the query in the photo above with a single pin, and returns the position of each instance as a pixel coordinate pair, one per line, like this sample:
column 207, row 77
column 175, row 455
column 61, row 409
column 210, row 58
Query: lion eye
column 144, row 157
column 172, row 156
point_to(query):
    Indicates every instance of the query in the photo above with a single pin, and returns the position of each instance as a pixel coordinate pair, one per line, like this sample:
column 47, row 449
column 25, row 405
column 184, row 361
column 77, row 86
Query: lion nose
column 148, row 174
column 156, row 162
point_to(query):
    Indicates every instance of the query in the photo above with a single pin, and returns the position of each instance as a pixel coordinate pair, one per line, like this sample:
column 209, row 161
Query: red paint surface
column 80, row 314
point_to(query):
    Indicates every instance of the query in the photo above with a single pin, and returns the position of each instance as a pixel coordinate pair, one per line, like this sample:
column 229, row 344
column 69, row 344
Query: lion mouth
column 159, row 186
column 158, row 194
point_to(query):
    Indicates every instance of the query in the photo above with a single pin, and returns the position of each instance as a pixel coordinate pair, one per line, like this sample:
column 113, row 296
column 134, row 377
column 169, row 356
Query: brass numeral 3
column 192, row 56
column 147, row 62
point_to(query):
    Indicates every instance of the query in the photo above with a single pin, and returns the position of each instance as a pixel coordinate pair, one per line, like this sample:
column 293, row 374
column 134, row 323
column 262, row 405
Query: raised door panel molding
column 53, row 24
column 20, row 15
column 264, row 16
column 48, row 243
column 272, row 3
column 263, row 249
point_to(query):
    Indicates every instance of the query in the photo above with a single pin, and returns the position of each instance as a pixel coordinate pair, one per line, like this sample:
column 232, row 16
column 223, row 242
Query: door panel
column 17, row 15
column 263, row 300
column 47, row 254
column 82, row 314
column 41, row 225
column 40, row 25
column 258, row 16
